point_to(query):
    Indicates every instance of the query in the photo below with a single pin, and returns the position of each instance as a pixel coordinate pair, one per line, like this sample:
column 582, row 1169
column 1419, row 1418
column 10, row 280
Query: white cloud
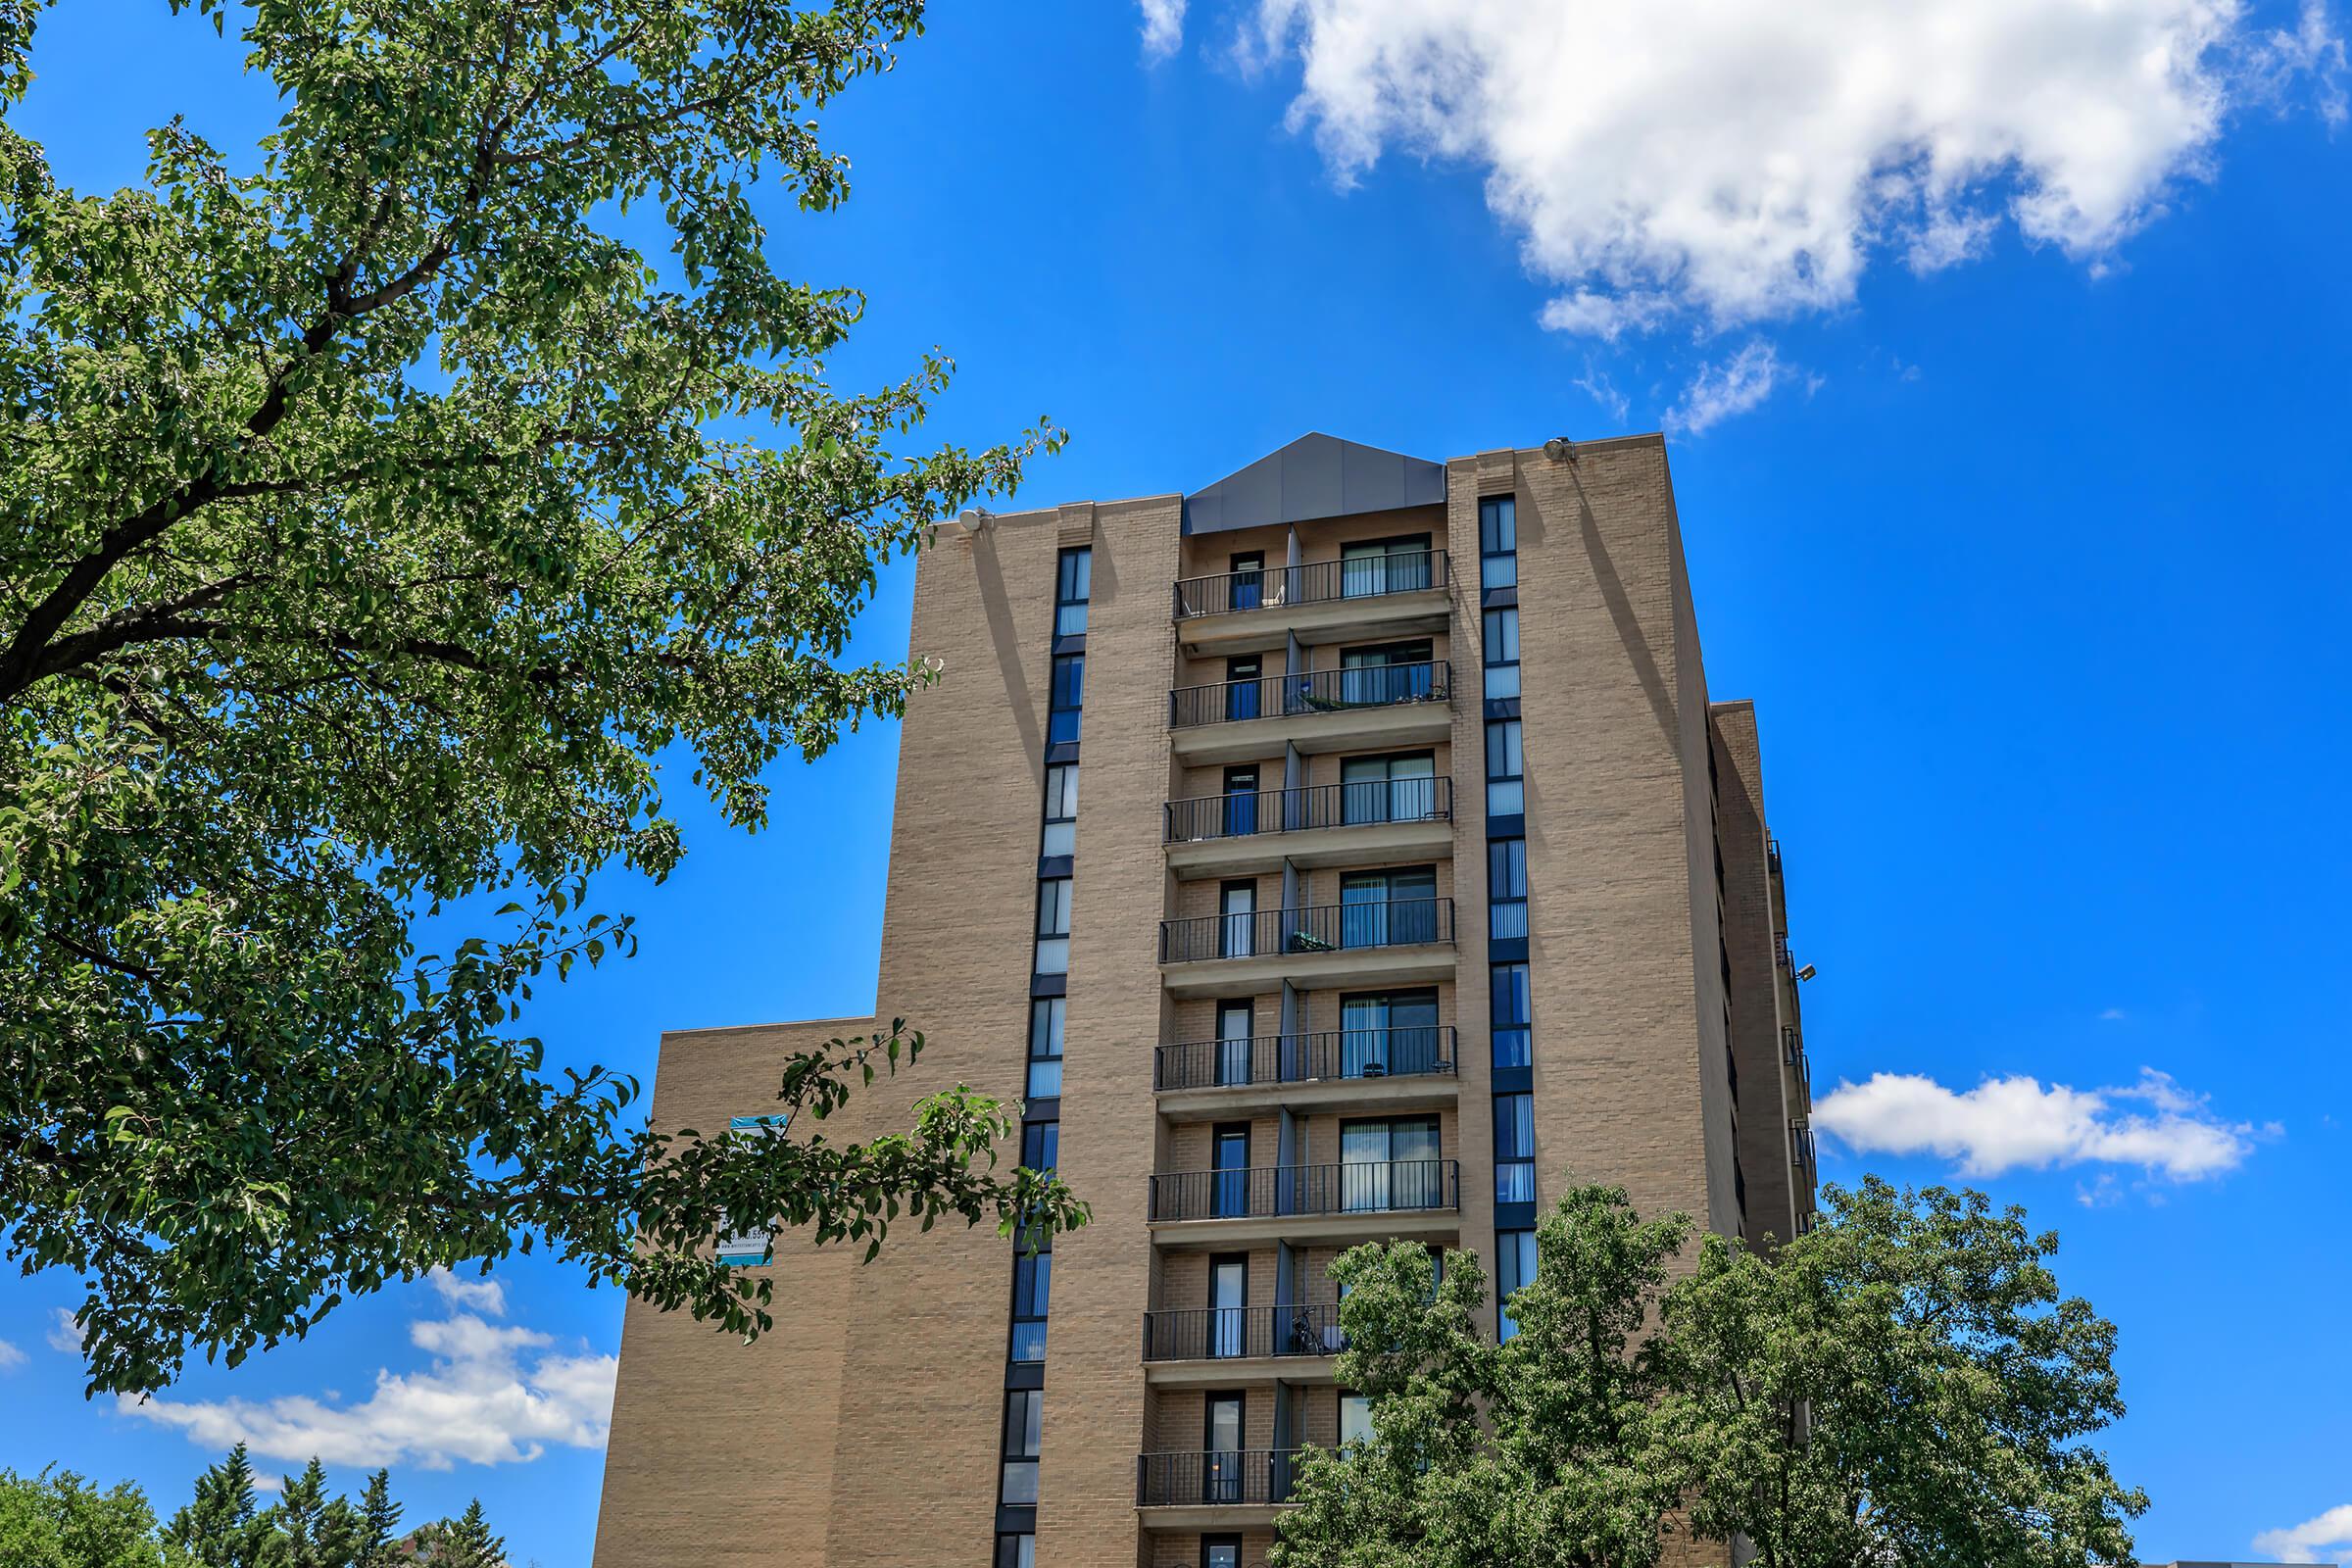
column 1739, row 164
column 1733, row 386
column 10, row 1356
column 1603, row 392
column 492, row 1395
column 2111, row 1016
column 1163, row 27
column 2004, row 1123
column 2329, row 1534
column 475, row 1295
column 64, row 1331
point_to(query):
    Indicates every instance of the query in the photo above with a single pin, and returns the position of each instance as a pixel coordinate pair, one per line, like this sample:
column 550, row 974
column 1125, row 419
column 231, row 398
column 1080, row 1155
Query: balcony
column 1403, row 1199
column 1318, row 601
column 1321, row 824
column 1220, row 1489
column 1315, row 710
column 1800, row 1145
column 1213, row 1345
column 1397, row 942
column 1397, row 1069
column 1792, row 1053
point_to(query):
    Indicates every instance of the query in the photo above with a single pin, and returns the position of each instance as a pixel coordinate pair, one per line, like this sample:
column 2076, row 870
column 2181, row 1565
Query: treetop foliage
column 385, row 513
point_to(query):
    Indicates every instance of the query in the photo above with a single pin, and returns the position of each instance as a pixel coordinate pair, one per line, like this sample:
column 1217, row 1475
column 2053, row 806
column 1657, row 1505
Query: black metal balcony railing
column 1800, row 1145
column 1269, row 1192
column 1233, row 1475
column 1221, row 1333
column 1317, row 928
column 1310, row 807
column 1312, row 582
column 1313, row 691
column 1411, row 1050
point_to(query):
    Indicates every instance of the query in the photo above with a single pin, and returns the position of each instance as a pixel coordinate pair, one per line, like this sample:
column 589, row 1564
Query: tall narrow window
column 1514, row 1266
column 1016, row 1551
column 1507, row 889
column 1511, row 1014
column 1053, row 925
column 1041, row 1145
column 1068, row 698
column 1216, row 1551
column 1032, row 1283
column 1021, row 1423
column 1045, row 1047
column 1072, row 588
column 1502, row 653
column 1514, row 1149
column 1506, row 794
column 1061, row 836
column 1235, row 1022
column 1498, row 542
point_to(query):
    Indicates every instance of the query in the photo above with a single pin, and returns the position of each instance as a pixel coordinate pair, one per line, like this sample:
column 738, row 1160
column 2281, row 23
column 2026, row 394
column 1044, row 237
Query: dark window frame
column 1516, row 1159
column 1498, row 749
column 1487, row 647
column 1068, row 681
column 1521, row 985
column 1491, row 526
column 1079, row 561
column 1028, row 1401
column 1056, row 1008
column 1028, row 1268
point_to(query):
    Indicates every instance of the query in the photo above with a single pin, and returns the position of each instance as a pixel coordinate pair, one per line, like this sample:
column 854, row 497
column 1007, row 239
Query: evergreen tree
column 376, row 1537
column 224, row 1527
column 465, row 1542
column 314, row 1530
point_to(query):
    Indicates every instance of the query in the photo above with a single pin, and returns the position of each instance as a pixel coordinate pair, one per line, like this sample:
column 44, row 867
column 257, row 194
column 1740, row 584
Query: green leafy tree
column 383, row 510
column 58, row 1520
column 1905, row 1385
column 224, row 1527
column 1546, row 1450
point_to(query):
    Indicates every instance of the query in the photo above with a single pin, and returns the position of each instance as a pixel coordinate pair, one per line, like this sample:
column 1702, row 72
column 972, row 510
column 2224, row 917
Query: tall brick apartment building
column 1413, row 869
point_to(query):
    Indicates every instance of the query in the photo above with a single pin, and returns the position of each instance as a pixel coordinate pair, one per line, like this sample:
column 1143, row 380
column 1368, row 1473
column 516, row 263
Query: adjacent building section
column 1347, row 850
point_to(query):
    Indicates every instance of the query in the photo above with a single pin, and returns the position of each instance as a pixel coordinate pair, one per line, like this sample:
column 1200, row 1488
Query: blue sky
column 2005, row 364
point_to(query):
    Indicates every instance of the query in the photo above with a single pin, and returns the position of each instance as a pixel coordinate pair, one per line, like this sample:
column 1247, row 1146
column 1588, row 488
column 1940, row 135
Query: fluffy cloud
column 10, row 1356
column 1163, row 27
column 1734, row 386
column 476, row 1294
column 64, row 1331
column 2004, row 1123
column 1745, row 163
column 493, row 1394
column 2329, row 1535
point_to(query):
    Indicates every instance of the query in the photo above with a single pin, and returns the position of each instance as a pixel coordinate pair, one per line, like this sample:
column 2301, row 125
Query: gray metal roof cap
column 1315, row 476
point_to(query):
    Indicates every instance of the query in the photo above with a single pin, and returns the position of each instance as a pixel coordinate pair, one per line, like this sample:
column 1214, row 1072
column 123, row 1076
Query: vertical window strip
column 1073, row 586
column 1498, row 542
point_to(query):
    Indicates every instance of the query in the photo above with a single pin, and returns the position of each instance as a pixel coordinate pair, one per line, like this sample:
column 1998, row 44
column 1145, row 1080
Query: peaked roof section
column 1316, row 476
